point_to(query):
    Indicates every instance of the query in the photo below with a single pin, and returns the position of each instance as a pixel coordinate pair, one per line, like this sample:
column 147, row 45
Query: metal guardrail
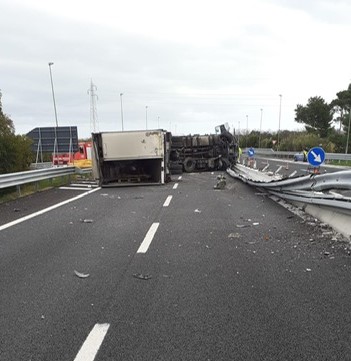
column 31, row 176
column 312, row 189
column 289, row 154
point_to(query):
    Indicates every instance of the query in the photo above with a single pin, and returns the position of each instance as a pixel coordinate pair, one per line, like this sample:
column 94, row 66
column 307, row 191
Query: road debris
column 197, row 211
column 308, row 270
column 87, row 221
column 234, row 235
column 242, row 225
column 81, row 275
column 221, row 182
column 141, row 276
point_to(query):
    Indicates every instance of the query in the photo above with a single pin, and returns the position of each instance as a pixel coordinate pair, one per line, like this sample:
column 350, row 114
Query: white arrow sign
column 317, row 157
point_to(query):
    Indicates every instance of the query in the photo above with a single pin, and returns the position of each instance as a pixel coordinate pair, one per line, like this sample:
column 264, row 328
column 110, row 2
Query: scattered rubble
column 141, row 276
column 234, row 235
column 221, row 182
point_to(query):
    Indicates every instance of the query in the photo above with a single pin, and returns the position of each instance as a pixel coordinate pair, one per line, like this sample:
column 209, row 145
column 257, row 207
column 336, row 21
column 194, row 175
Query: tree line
column 326, row 125
column 15, row 150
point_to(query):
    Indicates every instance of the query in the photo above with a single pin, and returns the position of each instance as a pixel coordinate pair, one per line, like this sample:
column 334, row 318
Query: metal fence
column 32, row 176
column 289, row 154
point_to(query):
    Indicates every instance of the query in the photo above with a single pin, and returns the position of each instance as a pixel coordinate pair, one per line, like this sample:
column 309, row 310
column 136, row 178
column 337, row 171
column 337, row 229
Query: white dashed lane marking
column 148, row 238
column 167, row 201
column 92, row 343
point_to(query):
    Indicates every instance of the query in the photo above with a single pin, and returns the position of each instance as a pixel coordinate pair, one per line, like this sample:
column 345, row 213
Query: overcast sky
column 193, row 63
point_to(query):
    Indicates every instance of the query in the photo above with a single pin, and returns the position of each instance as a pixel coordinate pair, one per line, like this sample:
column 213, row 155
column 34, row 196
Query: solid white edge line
column 175, row 186
column 92, row 343
column 148, row 238
column 167, row 201
column 29, row 216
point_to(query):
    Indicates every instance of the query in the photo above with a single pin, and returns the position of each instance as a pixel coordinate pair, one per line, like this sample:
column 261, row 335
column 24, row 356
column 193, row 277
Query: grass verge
column 10, row 194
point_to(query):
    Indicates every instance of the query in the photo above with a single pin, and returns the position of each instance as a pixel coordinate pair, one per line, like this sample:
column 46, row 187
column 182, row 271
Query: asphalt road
column 225, row 275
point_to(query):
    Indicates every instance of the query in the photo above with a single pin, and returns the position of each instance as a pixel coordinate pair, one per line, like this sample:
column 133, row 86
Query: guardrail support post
column 18, row 190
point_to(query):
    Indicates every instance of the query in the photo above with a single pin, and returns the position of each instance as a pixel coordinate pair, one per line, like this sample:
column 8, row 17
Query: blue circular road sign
column 316, row 156
column 251, row 152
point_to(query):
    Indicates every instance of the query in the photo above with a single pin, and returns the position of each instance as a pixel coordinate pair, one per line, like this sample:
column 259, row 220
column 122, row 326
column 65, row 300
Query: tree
column 316, row 116
column 6, row 124
column 341, row 105
column 15, row 151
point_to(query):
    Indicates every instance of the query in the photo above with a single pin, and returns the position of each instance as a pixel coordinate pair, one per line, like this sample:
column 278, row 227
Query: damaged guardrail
column 312, row 182
column 32, row 176
column 316, row 190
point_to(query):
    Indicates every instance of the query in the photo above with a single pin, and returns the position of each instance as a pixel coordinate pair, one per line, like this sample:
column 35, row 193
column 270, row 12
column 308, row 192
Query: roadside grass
column 10, row 194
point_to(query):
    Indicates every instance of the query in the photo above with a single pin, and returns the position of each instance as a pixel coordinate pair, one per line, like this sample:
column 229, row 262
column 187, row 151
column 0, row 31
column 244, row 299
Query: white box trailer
column 131, row 157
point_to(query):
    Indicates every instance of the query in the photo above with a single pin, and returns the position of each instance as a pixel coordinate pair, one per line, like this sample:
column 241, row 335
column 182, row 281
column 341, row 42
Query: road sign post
column 250, row 155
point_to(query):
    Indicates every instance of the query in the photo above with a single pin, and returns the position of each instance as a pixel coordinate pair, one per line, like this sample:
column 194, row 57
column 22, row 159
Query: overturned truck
column 195, row 153
column 150, row 156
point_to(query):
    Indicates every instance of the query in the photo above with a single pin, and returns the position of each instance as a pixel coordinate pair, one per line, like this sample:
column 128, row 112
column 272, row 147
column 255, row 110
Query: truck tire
column 189, row 165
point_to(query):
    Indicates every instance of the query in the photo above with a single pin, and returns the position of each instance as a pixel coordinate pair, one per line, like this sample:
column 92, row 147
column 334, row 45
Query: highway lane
column 228, row 275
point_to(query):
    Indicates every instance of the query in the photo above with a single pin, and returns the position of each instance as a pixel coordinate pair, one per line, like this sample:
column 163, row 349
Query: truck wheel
column 189, row 165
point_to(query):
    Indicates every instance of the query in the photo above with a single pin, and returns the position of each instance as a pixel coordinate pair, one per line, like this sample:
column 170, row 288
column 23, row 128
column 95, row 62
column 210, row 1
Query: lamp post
column 247, row 129
column 146, row 115
column 53, row 94
column 56, row 150
column 239, row 133
column 259, row 139
column 280, row 114
column 120, row 95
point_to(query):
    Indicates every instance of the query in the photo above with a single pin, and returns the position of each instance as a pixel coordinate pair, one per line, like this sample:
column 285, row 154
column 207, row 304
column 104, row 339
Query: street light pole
column 239, row 133
column 247, row 129
column 120, row 95
column 53, row 94
column 146, row 115
column 280, row 114
column 259, row 139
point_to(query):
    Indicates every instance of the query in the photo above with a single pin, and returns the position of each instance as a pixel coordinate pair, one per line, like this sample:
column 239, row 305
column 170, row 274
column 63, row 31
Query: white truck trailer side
column 131, row 157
